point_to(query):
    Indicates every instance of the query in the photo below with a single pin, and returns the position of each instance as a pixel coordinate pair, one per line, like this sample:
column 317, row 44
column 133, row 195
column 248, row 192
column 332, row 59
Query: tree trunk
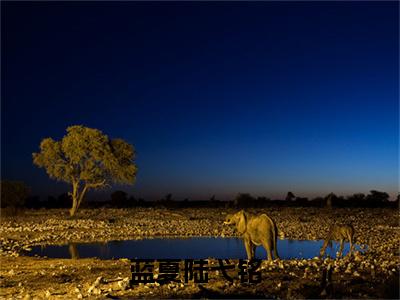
column 329, row 202
column 75, row 201
column 74, row 208
column 77, row 198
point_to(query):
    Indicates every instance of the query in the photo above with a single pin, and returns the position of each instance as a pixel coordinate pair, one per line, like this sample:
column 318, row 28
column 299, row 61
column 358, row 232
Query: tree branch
column 82, row 194
column 96, row 185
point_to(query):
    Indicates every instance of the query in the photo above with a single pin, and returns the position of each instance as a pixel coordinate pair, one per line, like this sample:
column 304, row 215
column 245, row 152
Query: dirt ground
column 371, row 274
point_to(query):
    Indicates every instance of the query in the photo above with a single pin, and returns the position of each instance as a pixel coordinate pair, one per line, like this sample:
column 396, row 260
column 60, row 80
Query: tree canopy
column 87, row 159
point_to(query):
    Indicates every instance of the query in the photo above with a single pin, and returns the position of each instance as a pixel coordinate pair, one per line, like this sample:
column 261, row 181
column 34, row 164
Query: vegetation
column 120, row 199
column 290, row 196
column 13, row 194
column 87, row 159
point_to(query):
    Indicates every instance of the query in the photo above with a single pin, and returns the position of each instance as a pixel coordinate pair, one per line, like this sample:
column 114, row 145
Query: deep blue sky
column 217, row 98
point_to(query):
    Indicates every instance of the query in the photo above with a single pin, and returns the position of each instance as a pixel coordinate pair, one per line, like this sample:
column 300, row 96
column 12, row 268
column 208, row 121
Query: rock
column 98, row 281
column 124, row 283
column 93, row 289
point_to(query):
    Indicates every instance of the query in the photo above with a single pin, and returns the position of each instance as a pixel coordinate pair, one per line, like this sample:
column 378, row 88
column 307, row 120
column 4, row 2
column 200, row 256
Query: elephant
column 255, row 231
column 338, row 233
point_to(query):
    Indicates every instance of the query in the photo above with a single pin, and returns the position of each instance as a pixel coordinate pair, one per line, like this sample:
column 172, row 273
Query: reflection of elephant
column 255, row 230
column 73, row 251
column 338, row 233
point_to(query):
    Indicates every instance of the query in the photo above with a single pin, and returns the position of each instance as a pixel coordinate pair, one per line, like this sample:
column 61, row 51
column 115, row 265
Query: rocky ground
column 373, row 274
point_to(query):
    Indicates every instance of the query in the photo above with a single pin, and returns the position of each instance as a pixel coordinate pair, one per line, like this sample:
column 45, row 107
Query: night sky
column 217, row 98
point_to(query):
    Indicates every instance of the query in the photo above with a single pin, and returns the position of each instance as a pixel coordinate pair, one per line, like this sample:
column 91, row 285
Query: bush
column 13, row 196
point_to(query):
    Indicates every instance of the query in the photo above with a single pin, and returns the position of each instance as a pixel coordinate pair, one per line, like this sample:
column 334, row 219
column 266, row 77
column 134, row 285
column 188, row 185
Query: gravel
column 362, row 275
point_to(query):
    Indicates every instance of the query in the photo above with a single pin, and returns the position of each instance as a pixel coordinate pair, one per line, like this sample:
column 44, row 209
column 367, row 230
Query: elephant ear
column 242, row 224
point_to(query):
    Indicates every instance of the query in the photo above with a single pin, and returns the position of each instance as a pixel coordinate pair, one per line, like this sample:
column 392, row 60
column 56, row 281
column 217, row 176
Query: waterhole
column 187, row 248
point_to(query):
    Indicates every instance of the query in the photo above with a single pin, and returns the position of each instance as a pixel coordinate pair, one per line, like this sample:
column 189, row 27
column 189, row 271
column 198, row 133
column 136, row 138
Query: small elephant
column 255, row 231
column 338, row 233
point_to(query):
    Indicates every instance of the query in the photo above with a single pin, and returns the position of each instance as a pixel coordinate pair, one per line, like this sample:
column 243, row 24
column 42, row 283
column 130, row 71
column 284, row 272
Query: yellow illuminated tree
column 87, row 159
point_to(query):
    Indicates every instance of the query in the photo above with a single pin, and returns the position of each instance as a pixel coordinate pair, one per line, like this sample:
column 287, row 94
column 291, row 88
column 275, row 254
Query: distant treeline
column 16, row 195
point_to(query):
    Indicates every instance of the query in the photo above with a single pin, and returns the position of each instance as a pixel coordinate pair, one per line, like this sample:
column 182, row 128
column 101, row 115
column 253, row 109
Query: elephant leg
column 253, row 250
column 248, row 246
column 268, row 249
column 351, row 244
column 341, row 248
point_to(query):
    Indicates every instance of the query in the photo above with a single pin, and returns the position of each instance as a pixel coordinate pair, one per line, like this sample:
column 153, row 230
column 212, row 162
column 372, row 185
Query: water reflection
column 195, row 248
column 73, row 251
